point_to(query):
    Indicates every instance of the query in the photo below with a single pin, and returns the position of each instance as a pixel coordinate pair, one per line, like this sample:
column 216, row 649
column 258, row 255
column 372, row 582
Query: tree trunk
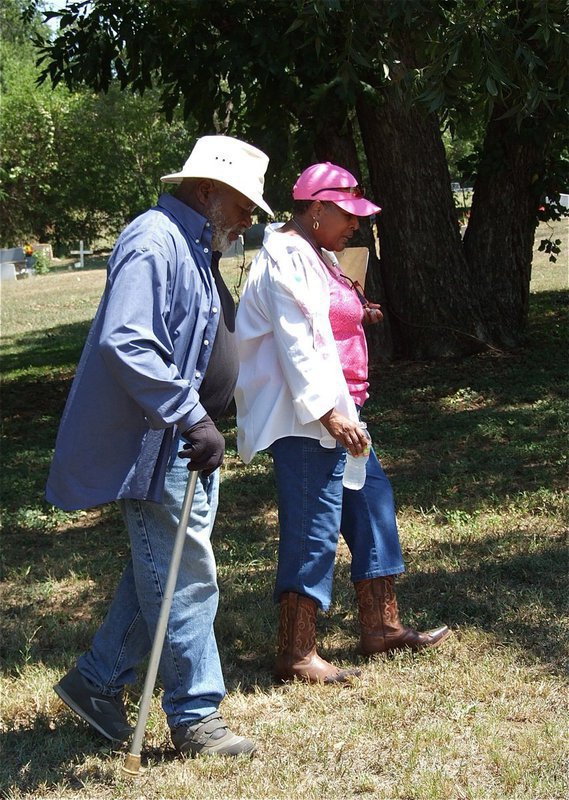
column 498, row 243
column 434, row 307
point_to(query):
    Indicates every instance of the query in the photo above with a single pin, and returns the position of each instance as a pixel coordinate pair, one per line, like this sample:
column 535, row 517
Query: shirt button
column 198, row 374
column 205, row 250
column 197, row 241
column 205, row 342
column 214, row 310
column 207, row 224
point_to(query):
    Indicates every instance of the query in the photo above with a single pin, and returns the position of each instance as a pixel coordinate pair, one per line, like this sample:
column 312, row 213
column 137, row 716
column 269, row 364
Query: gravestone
column 12, row 261
column 235, row 249
column 81, row 253
column 46, row 249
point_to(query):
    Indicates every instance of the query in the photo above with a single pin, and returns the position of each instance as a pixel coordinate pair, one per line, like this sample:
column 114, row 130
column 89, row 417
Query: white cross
column 81, row 252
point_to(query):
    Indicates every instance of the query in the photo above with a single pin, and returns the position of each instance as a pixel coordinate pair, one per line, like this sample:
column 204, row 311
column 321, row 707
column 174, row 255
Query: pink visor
column 329, row 182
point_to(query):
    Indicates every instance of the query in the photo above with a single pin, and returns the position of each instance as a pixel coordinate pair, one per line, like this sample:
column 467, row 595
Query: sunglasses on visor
column 356, row 191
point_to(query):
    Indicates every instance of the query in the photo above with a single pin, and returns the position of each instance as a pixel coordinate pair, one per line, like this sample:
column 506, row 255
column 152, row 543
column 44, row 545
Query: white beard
column 220, row 234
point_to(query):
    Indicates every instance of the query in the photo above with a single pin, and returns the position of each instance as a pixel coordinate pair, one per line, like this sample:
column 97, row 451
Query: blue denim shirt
column 137, row 383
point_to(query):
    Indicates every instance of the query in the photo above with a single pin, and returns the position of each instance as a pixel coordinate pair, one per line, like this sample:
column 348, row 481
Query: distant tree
column 112, row 149
column 75, row 164
column 28, row 160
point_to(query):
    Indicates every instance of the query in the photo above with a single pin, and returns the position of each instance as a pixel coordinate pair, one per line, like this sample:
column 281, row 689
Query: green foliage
column 507, row 61
column 28, row 165
column 19, row 20
column 77, row 165
column 133, row 147
column 41, row 262
column 510, row 55
column 551, row 247
column 235, row 65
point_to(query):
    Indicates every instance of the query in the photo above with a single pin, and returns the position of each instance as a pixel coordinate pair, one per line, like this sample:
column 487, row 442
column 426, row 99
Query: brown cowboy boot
column 380, row 626
column 296, row 648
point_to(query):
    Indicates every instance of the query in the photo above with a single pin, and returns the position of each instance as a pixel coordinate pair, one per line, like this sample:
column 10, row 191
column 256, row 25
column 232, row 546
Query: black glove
column 204, row 446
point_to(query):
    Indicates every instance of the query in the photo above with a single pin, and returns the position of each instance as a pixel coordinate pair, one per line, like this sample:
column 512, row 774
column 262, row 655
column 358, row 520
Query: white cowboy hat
column 236, row 163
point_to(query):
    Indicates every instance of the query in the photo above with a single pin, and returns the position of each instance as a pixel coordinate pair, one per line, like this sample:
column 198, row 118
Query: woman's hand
column 347, row 433
column 372, row 314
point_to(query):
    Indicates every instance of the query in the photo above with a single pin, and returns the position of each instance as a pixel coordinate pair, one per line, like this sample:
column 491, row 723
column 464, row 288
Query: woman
column 302, row 381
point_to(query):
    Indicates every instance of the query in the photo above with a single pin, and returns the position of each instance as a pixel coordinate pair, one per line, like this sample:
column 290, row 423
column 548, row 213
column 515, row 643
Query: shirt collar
column 194, row 224
column 280, row 245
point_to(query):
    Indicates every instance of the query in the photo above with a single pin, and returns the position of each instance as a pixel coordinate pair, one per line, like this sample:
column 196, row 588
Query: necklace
column 307, row 238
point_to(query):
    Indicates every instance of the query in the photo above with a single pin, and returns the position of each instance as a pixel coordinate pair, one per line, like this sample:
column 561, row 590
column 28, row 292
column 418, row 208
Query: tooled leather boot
column 296, row 647
column 381, row 630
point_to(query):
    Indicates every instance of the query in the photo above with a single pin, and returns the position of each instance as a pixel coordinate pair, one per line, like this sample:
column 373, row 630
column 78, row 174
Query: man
column 158, row 368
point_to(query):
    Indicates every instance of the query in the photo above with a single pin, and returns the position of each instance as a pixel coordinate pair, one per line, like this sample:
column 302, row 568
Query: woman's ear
column 316, row 209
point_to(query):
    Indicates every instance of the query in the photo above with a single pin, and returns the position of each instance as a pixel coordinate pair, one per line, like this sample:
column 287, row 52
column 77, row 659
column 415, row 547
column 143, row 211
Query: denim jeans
column 190, row 668
column 314, row 507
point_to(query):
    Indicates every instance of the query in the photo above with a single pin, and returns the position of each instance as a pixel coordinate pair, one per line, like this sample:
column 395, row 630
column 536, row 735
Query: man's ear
column 204, row 190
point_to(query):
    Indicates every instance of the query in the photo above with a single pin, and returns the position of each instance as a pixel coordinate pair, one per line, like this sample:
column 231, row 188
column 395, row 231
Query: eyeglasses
column 356, row 191
column 358, row 289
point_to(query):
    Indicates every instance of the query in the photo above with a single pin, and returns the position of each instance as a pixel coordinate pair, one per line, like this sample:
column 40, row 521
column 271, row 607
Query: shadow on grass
column 511, row 583
column 49, row 349
column 36, row 757
column 455, row 433
column 516, row 597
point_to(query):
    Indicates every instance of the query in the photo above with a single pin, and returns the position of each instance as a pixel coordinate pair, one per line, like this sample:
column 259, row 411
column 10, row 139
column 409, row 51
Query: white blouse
column 290, row 373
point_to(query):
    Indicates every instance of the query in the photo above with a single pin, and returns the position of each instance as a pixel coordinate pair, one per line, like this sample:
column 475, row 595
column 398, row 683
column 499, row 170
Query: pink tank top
column 346, row 315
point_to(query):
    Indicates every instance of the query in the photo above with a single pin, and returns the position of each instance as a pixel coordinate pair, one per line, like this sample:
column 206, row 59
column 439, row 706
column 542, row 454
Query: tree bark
column 498, row 243
column 434, row 308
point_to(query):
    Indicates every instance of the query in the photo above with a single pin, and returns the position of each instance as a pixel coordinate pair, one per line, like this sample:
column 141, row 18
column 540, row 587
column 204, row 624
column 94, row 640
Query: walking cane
column 131, row 764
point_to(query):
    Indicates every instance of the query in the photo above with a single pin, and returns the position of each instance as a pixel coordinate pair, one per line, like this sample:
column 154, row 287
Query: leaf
column 298, row 23
column 491, row 86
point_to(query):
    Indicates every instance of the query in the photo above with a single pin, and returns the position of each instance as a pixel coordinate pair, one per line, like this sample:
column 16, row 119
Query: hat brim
column 253, row 196
column 358, row 206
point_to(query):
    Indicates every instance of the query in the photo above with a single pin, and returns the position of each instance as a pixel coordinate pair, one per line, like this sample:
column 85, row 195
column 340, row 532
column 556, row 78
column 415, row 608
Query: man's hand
column 347, row 433
column 204, row 446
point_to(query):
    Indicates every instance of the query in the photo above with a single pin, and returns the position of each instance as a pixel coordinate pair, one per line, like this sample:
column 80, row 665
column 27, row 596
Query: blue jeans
column 314, row 507
column 190, row 668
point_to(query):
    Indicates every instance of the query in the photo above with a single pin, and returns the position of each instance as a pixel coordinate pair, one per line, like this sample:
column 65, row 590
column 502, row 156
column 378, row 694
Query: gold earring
column 315, row 225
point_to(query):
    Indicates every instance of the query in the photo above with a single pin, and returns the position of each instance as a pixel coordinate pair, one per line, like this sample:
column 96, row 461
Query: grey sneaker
column 105, row 713
column 210, row 736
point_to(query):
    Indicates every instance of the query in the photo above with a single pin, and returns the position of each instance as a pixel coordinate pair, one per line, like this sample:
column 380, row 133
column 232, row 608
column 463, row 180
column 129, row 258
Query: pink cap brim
column 358, row 206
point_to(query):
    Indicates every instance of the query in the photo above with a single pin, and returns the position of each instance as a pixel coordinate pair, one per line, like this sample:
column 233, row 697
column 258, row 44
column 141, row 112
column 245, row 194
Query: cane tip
column 131, row 766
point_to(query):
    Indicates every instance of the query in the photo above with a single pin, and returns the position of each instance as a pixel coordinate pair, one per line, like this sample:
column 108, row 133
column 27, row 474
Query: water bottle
column 355, row 469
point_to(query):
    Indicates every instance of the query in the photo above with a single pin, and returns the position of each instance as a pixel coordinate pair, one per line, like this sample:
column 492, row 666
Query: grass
column 477, row 453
